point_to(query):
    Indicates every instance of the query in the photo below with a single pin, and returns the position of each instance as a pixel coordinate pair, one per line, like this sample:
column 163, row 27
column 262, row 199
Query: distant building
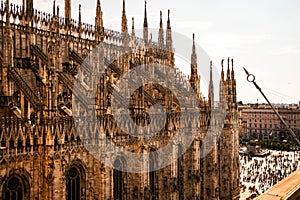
column 258, row 121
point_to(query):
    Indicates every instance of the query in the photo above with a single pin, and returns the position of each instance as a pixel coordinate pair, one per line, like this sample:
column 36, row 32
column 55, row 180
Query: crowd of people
column 258, row 174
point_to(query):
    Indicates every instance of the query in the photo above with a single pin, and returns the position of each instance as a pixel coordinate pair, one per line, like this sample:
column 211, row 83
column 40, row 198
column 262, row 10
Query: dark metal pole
column 251, row 79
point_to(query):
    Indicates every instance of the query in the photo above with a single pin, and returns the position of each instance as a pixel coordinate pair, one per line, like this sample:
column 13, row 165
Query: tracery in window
column 75, row 183
column 16, row 188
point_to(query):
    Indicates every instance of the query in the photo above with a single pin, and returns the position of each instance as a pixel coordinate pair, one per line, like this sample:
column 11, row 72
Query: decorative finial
column 194, row 54
column 222, row 63
column 6, row 5
column 194, row 48
column 145, row 15
column 161, row 26
column 68, row 10
column 228, row 69
column 169, row 23
column 145, row 30
column 98, row 9
column 53, row 7
column 211, row 70
column 228, row 61
column 133, row 32
column 124, row 19
column 123, row 5
column 211, row 63
column 232, row 71
column 222, row 71
column 7, row 13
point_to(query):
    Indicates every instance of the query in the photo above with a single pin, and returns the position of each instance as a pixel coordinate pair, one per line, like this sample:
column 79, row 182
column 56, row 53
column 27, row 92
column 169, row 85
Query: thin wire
column 280, row 94
column 281, row 97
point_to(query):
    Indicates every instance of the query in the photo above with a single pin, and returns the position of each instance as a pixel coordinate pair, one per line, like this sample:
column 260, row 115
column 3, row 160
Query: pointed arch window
column 75, row 183
column 118, row 179
column 16, row 188
column 152, row 178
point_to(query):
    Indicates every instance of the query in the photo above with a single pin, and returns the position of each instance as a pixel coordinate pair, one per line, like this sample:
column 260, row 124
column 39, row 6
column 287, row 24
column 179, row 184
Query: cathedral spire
column 98, row 18
column 194, row 78
column 7, row 52
column 79, row 17
column 232, row 71
column 194, row 54
column 169, row 22
column 228, row 69
column 145, row 31
column 57, row 12
column 233, row 86
column 53, row 8
column 79, row 21
column 7, row 14
column 98, row 6
column 222, row 72
column 67, row 10
column 132, row 30
column 99, row 35
column 161, row 32
column 161, row 22
column 210, row 75
column 124, row 19
column 7, row 29
column 169, row 33
column 29, row 9
column 23, row 7
column 211, row 88
column 222, row 88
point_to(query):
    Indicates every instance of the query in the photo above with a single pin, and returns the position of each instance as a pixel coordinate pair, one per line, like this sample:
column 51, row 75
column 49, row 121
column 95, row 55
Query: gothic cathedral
column 44, row 156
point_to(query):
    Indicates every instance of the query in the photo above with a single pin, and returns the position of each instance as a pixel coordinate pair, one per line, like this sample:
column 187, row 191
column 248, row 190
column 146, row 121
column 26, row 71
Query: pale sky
column 261, row 35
